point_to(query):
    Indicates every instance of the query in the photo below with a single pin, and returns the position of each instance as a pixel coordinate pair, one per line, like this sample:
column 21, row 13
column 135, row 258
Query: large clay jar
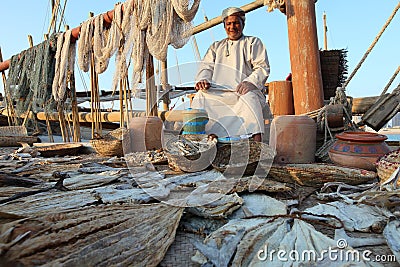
column 358, row 149
column 145, row 133
column 294, row 139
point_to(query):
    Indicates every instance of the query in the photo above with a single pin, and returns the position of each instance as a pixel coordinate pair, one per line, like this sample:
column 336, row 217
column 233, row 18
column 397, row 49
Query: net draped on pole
column 139, row 28
column 39, row 76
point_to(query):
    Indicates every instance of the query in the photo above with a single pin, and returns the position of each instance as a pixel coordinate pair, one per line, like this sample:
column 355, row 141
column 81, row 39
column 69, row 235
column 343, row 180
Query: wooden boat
column 107, row 217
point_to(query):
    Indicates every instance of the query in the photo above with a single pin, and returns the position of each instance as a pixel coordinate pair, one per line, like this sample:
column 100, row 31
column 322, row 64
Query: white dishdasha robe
column 226, row 64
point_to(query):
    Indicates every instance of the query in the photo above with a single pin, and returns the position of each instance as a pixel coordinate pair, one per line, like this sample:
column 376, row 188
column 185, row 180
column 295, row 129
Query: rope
column 273, row 4
column 390, row 81
column 372, row 45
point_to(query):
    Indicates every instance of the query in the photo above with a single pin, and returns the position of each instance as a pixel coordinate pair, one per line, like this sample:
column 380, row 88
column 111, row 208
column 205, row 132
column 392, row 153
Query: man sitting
column 230, row 81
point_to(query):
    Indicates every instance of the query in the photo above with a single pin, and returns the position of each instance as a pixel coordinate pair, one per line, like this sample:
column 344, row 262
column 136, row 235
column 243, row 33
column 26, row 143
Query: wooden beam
column 173, row 115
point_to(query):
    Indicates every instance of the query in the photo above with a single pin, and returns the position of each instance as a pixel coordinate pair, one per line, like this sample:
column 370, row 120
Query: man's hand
column 245, row 87
column 202, row 85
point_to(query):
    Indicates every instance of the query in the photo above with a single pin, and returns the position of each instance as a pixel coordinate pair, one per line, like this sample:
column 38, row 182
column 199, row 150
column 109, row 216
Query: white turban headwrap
column 233, row 10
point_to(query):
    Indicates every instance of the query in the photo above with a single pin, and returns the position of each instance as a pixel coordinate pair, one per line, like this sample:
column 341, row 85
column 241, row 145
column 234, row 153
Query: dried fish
column 372, row 194
column 105, row 235
column 220, row 208
column 27, row 149
column 255, row 204
column 181, row 146
column 117, row 194
column 392, row 235
column 77, row 180
column 361, row 217
column 94, row 167
column 220, row 246
column 49, row 201
column 358, row 242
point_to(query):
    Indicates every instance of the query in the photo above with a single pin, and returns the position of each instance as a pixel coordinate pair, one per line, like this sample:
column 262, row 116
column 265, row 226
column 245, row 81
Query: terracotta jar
column 358, row 149
column 294, row 139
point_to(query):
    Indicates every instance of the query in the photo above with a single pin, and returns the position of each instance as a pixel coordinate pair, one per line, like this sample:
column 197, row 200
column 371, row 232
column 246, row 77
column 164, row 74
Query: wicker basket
column 13, row 131
column 387, row 164
column 53, row 150
column 15, row 141
column 109, row 145
column 12, row 136
column 243, row 157
column 190, row 163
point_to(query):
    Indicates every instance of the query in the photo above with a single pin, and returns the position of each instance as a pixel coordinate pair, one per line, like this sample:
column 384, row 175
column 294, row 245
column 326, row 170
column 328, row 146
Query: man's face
column 233, row 27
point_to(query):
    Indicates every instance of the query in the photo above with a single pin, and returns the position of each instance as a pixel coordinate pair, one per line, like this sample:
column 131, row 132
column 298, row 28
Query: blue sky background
column 352, row 25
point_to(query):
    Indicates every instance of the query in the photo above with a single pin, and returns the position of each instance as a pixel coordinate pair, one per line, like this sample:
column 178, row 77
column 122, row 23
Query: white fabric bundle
column 65, row 61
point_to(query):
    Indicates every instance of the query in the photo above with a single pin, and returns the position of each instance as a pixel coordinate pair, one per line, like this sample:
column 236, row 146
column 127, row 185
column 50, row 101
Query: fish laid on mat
column 255, row 204
column 95, row 236
column 392, row 235
column 78, row 180
column 219, row 247
column 250, row 184
column 316, row 175
column 50, row 201
column 150, row 179
column 94, row 167
column 220, row 208
column 122, row 194
column 140, row 158
column 357, row 242
column 279, row 242
column 363, row 218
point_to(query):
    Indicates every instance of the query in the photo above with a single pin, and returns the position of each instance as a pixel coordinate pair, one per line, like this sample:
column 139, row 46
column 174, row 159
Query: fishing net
column 65, row 61
column 39, row 77
column 144, row 27
column 30, row 77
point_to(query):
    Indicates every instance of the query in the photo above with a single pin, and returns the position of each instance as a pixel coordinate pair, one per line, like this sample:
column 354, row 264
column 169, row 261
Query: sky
column 352, row 25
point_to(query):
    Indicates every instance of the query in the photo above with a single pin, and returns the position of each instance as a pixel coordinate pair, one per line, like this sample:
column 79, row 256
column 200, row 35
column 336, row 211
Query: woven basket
column 387, row 164
column 13, row 131
column 15, row 141
column 243, row 157
column 53, row 150
column 11, row 136
column 109, row 145
column 190, row 163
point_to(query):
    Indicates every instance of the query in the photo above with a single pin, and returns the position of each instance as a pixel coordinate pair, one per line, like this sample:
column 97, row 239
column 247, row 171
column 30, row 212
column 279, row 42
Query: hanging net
column 38, row 77
column 30, row 77
column 143, row 27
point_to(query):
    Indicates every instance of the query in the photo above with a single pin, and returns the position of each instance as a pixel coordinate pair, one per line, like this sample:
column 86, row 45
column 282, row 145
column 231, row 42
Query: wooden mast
column 304, row 56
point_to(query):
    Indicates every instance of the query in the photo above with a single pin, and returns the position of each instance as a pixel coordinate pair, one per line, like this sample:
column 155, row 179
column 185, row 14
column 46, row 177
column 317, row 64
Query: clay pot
column 358, row 149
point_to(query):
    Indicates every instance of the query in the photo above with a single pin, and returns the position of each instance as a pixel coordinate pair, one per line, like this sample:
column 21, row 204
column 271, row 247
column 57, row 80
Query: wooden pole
column 304, row 56
column 165, row 85
column 280, row 98
column 173, row 115
column 151, row 89
column 325, row 31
